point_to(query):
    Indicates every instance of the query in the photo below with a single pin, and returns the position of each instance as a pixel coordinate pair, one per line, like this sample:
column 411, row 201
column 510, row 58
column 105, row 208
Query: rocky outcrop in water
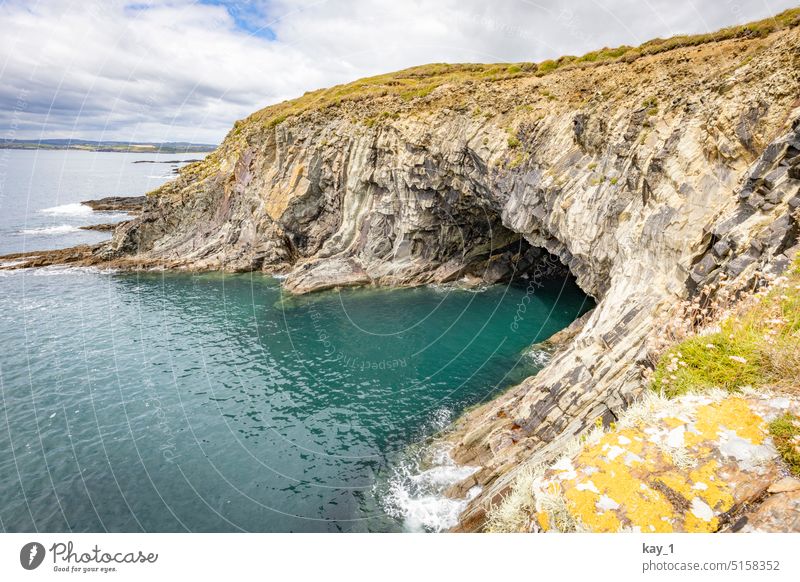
column 646, row 179
column 131, row 204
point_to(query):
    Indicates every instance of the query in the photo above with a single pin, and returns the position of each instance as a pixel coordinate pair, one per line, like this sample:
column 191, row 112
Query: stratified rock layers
column 647, row 179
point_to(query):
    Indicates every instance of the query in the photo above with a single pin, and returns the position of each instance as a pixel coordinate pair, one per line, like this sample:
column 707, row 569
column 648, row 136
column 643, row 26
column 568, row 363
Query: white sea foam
column 460, row 285
column 50, row 230
column 417, row 490
column 12, row 263
column 74, row 209
column 61, row 270
column 538, row 357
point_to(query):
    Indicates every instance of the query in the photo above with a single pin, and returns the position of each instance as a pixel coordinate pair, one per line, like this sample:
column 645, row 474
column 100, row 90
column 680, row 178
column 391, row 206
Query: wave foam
column 539, row 358
column 417, row 494
column 50, row 230
column 74, row 209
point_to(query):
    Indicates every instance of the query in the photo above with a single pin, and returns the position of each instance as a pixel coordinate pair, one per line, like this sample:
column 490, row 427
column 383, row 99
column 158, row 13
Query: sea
column 169, row 402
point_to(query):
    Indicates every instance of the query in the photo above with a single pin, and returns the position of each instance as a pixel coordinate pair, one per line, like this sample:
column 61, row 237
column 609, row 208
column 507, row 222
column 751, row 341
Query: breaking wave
column 74, row 209
column 50, row 230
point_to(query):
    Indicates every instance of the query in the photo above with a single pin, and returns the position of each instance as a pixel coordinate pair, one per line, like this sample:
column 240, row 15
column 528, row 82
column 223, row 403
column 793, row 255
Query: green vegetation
column 517, row 161
column 513, row 141
column 757, row 344
column 277, row 120
column 546, row 67
column 419, row 82
column 651, row 104
column 785, row 432
column 548, row 95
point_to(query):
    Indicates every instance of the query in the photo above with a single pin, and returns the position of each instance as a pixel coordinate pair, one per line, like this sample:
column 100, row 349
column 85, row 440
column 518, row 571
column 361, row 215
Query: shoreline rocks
column 103, row 227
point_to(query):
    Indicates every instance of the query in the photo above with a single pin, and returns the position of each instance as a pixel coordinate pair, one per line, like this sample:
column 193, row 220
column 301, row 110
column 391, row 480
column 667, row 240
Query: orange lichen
column 732, row 414
column 673, row 422
column 543, row 520
column 629, row 479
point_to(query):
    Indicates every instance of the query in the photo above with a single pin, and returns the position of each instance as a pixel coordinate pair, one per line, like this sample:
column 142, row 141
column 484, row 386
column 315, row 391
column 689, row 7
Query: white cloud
column 182, row 70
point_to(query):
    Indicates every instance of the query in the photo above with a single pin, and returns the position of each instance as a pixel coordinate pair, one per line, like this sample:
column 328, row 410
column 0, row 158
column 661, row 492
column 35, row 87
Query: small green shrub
column 275, row 121
column 546, row 67
column 785, row 431
column 702, row 362
column 651, row 105
column 517, row 161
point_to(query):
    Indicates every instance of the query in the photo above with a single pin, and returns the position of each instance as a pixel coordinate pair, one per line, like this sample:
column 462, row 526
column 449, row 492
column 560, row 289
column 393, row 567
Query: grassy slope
column 756, row 343
column 417, row 82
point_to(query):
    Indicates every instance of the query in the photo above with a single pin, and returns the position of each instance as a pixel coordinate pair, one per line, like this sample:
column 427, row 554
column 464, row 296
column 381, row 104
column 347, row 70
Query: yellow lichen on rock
column 734, row 414
column 680, row 466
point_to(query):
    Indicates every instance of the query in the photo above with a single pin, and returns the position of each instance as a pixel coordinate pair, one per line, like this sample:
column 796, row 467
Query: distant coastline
column 172, row 147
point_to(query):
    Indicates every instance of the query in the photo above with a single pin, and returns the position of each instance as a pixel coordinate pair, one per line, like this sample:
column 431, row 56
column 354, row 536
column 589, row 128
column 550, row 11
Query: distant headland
column 170, row 147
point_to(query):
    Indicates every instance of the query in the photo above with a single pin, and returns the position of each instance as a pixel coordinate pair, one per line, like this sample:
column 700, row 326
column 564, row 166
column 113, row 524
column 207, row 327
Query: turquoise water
column 166, row 402
column 175, row 402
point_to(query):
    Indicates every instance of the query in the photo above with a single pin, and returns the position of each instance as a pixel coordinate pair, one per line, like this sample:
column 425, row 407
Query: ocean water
column 179, row 402
column 41, row 193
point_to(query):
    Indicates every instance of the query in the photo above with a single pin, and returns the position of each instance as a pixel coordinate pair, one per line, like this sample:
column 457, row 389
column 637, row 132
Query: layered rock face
column 646, row 179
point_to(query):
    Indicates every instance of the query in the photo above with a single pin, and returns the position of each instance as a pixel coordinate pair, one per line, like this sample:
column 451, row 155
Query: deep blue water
column 173, row 402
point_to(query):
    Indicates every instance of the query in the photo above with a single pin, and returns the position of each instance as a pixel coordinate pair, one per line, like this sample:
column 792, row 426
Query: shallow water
column 172, row 402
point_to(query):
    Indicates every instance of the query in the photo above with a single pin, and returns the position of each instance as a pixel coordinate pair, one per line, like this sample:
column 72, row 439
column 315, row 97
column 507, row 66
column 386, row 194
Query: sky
column 180, row 70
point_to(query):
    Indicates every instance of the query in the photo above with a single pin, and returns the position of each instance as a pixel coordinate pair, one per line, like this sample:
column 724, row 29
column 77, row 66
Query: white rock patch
column 701, row 510
column 606, row 503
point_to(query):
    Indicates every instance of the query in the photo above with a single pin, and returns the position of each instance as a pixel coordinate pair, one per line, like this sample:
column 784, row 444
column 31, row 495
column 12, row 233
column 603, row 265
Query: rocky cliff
column 647, row 175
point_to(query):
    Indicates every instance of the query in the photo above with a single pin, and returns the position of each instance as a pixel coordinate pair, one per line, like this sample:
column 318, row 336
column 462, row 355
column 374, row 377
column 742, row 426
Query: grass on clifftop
column 419, row 82
column 757, row 344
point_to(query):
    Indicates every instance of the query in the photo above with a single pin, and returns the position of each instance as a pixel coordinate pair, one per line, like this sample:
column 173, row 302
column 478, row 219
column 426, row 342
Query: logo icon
column 31, row 555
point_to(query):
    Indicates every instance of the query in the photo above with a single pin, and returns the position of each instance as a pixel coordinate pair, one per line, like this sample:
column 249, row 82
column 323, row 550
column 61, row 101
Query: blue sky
column 249, row 17
column 187, row 69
